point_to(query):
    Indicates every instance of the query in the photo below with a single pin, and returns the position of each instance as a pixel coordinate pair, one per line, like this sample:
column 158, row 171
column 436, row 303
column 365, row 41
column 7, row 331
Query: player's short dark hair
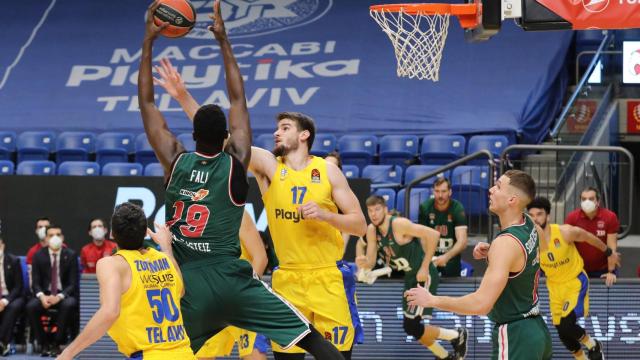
column 42, row 219
column 104, row 223
column 303, row 122
column 129, row 226
column 540, row 202
column 52, row 226
column 591, row 188
column 441, row 180
column 375, row 200
column 336, row 155
column 210, row 125
column 523, row 182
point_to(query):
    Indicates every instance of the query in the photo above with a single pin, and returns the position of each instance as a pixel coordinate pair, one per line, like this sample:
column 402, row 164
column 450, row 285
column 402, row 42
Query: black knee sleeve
column 413, row 327
column 570, row 333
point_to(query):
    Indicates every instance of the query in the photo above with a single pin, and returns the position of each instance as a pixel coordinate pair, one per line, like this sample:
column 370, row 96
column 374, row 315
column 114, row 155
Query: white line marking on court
column 26, row 45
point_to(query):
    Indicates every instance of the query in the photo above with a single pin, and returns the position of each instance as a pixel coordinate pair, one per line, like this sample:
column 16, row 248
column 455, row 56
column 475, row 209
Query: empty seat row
column 79, row 168
column 393, row 175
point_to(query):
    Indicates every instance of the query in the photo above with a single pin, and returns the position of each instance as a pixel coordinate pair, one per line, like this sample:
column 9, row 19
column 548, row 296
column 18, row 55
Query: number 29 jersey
column 150, row 320
column 298, row 242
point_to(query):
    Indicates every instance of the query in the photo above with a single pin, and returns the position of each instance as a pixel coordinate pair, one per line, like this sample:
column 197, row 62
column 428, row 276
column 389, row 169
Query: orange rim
column 466, row 13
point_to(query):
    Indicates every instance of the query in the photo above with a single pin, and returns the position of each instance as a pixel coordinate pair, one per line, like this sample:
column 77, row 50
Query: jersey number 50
column 162, row 305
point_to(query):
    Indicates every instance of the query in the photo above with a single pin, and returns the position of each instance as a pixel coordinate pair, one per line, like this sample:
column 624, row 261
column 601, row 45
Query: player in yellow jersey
column 251, row 346
column 566, row 280
column 309, row 203
column 140, row 290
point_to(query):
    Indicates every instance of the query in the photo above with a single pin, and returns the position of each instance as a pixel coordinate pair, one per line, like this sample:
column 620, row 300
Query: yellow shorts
column 565, row 297
column 182, row 353
column 319, row 295
column 221, row 344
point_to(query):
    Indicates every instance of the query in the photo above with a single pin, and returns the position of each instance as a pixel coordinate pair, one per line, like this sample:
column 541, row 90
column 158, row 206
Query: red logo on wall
column 581, row 115
column 633, row 117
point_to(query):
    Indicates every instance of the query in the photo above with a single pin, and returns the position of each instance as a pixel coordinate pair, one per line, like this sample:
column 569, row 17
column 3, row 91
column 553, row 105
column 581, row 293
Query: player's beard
column 381, row 221
column 283, row 150
column 543, row 225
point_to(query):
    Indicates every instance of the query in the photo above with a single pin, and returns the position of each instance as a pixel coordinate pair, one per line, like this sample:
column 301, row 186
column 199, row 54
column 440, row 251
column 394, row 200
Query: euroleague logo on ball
column 258, row 17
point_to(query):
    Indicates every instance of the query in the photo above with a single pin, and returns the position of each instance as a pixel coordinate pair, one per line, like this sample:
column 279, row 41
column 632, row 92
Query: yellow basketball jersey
column 561, row 261
column 301, row 243
column 150, row 320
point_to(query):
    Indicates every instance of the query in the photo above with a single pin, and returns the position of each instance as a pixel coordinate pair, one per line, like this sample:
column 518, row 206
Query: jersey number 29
column 197, row 218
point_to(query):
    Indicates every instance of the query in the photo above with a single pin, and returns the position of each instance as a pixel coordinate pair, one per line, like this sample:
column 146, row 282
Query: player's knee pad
column 413, row 327
column 570, row 333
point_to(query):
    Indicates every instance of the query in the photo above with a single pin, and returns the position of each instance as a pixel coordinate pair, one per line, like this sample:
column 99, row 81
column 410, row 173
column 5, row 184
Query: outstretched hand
column 170, row 79
column 217, row 28
column 419, row 296
column 151, row 29
column 162, row 236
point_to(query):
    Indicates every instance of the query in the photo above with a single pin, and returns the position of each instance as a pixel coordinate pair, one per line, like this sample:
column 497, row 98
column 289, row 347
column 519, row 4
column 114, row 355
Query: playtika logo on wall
column 246, row 18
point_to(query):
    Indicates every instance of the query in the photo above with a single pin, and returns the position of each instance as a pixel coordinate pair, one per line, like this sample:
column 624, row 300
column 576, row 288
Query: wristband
column 608, row 252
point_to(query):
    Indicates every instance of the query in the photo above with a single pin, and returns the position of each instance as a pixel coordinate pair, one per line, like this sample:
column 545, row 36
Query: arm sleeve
column 239, row 183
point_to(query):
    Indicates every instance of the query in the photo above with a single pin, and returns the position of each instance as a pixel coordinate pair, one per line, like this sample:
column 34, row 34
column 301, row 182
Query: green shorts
column 526, row 339
column 221, row 292
column 410, row 282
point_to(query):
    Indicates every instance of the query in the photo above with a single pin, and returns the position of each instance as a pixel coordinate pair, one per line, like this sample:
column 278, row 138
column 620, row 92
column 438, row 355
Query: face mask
column 41, row 232
column 98, row 233
column 55, row 243
column 588, row 206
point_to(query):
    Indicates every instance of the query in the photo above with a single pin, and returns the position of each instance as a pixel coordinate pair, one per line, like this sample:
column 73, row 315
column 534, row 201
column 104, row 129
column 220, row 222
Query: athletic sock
column 588, row 341
column 447, row 334
column 438, row 350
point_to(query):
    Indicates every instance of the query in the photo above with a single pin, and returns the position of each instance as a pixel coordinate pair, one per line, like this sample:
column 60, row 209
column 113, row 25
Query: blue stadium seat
column 470, row 186
column 398, row 149
column 264, row 141
column 143, row 151
column 35, row 145
column 7, row 144
column 418, row 196
column 36, row 167
column 74, row 146
column 351, row 171
column 6, row 167
column 122, row 169
column 79, row 168
column 187, row 141
column 154, row 169
column 25, row 275
column 383, row 174
column 415, row 171
column 323, row 144
column 442, row 149
column 113, row 147
column 358, row 149
column 494, row 143
column 389, row 196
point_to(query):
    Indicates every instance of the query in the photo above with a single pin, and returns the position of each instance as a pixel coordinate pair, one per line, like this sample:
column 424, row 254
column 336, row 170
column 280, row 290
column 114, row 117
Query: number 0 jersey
column 301, row 243
column 150, row 320
column 200, row 209
column 561, row 261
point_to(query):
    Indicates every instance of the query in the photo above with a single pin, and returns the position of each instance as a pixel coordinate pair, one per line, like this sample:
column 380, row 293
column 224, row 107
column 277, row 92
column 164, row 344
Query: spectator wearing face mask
column 602, row 223
column 98, row 248
column 55, row 285
column 41, row 230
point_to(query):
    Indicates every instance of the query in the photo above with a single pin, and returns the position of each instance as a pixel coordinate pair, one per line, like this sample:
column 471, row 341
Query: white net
column 418, row 40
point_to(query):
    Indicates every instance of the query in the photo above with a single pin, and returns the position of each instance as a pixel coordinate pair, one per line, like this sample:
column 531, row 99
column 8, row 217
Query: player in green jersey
column 204, row 202
column 508, row 292
column 447, row 216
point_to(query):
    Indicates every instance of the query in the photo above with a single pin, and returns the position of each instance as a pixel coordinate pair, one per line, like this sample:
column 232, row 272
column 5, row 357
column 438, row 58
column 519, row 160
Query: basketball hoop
column 418, row 33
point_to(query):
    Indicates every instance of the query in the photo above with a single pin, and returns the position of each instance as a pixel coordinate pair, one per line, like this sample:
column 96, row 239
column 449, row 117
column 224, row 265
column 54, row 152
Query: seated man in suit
column 12, row 300
column 55, row 285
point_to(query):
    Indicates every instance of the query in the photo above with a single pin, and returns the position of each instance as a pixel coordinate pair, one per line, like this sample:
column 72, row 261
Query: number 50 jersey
column 150, row 320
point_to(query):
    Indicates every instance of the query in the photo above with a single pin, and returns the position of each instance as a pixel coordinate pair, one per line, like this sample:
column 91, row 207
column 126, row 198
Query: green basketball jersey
column 519, row 299
column 407, row 258
column 445, row 223
column 200, row 211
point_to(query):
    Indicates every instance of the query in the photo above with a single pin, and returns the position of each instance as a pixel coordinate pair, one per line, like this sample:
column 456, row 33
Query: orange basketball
column 180, row 15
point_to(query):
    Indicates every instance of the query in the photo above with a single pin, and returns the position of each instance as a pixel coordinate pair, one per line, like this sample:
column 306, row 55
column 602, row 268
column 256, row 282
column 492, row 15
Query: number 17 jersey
column 298, row 242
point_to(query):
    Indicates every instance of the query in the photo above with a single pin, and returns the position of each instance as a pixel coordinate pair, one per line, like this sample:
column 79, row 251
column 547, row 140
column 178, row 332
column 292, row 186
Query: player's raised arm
column 163, row 142
column 172, row 82
column 239, row 144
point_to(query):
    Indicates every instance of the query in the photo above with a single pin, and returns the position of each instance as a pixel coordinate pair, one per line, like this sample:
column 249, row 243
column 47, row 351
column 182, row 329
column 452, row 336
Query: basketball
column 180, row 15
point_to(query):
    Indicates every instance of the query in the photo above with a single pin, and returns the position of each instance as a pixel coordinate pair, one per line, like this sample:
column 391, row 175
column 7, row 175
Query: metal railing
column 449, row 166
column 577, row 172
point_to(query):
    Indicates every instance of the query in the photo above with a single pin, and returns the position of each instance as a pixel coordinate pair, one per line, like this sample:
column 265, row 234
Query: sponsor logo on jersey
column 327, row 336
column 432, row 217
column 283, row 174
column 600, row 224
column 315, row 176
column 449, row 218
column 195, row 196
column 556, row 243
column 289, row 215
